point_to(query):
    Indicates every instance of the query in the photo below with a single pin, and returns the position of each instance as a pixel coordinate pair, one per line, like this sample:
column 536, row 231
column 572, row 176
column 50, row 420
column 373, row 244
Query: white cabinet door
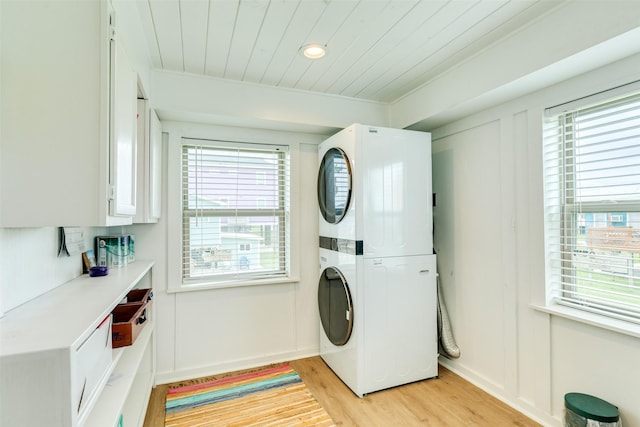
column 155, row 167
column 149, row 165
column 123, row 161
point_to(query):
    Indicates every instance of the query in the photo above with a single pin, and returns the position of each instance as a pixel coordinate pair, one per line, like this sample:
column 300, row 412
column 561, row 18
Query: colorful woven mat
column 270, row 397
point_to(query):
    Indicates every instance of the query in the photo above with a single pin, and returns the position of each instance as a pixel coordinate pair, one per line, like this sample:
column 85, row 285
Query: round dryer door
column 336, row 306
column 334, row 185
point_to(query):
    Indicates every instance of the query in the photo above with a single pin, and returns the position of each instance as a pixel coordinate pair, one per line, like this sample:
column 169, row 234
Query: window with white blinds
column 592, row 206
column 235, row 211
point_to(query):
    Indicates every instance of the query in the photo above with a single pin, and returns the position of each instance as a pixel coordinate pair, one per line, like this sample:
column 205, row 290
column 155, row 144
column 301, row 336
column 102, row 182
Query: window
column 592, row 205
column 232, row 228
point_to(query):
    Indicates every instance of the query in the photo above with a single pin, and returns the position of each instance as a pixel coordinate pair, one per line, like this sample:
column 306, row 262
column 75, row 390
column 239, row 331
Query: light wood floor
column 445, row 401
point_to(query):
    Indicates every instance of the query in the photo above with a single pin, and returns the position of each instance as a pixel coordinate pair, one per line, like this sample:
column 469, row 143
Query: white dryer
column 374, row 190
column 377, row 289
column 377, row 323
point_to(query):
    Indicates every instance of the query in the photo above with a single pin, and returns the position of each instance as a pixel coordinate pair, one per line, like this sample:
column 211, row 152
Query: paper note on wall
column 71, row 241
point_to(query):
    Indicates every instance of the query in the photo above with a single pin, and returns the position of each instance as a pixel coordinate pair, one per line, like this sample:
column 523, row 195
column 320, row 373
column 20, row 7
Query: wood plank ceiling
column 376, row 50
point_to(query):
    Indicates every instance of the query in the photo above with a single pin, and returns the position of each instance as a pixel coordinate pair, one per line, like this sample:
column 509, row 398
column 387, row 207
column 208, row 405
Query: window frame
column 192, row 151
column 176, row 132
column 589, row 312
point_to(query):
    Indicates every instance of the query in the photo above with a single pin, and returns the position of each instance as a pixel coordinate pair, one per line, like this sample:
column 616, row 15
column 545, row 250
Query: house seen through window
column 592, row 207
column 235, row 210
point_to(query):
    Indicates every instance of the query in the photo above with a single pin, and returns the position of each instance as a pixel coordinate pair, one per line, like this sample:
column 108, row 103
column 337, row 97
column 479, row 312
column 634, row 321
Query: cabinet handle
column 425, row 271
column 108, row 334
column 82, row 394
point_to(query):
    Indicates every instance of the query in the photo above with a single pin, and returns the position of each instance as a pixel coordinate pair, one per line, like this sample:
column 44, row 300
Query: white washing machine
column 378, row 327
column 377, row 289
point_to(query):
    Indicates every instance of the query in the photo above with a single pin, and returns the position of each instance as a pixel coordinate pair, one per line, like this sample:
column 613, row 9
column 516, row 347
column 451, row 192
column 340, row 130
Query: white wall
column 488, row 235
column 30, row 265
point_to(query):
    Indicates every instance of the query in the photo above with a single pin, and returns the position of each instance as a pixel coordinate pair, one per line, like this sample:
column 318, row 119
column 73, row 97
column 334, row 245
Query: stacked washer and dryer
column 377, row 289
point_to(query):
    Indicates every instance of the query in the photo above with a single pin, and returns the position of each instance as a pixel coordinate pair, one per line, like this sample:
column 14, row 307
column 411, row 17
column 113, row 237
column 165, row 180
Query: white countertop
column 65, row 316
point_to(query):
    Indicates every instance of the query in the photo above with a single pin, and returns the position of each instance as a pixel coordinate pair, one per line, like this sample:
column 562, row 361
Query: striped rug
column 270, row 397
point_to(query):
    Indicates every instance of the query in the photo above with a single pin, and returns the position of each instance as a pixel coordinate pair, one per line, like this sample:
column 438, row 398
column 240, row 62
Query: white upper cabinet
column 68, row 127
column 149, row 164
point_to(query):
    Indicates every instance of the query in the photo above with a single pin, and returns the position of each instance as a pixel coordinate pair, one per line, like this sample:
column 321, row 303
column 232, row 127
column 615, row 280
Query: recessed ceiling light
column 313, row 51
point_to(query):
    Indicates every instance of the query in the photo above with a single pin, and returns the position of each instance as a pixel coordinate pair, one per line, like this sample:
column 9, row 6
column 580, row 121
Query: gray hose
column 445, row 334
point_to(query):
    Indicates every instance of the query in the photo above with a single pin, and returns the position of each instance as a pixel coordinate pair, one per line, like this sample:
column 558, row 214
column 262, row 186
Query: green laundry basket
column 583, row 410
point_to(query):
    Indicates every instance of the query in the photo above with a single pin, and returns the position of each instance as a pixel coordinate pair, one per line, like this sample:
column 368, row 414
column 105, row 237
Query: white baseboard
column 520, row 405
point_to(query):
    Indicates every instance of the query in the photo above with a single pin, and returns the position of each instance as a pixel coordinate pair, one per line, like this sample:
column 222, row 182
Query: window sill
column 592, row 319
column 231, row 284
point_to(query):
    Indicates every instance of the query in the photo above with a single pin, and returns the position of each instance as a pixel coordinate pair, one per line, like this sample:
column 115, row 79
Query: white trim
column 596, row 98
column 592, row 319
column 519, row 404
column 577, row 182
column 177, row 131
column 203, row 286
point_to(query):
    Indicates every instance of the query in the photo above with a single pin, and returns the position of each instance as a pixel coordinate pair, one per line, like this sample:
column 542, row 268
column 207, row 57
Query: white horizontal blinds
column 592, row 207
column 235, row 206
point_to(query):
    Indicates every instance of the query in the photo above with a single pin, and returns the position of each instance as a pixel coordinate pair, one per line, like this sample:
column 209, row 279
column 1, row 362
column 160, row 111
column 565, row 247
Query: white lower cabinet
column 57, row 365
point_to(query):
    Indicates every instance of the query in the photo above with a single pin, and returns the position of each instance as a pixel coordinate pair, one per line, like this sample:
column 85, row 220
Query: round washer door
column 334, row 185
column 336, row 306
